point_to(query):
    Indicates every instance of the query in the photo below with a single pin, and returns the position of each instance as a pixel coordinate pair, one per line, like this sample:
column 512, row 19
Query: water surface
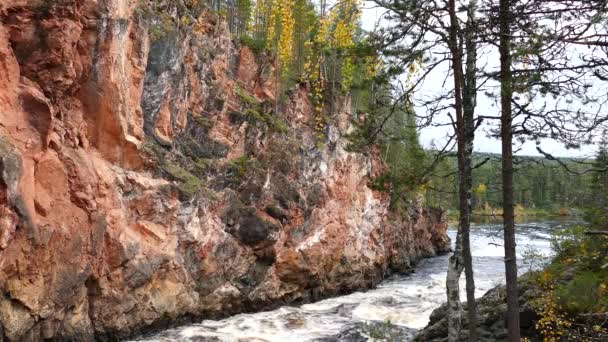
column 405, row 300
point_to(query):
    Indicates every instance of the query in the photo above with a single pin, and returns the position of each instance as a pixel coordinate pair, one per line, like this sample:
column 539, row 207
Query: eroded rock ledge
column 491, row 316
column 144, row 177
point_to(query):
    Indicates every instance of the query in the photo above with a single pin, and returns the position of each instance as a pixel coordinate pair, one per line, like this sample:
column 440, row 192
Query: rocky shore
column 491, row 313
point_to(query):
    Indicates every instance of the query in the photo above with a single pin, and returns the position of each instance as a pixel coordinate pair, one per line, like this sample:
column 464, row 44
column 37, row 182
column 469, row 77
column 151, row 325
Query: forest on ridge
column 551, row 57
column 322, row 44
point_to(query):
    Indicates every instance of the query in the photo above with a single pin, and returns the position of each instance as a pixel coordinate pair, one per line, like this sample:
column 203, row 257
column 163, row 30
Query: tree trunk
column 469, row 103
column 506, row 90
column 456, row 262
column 455, row 267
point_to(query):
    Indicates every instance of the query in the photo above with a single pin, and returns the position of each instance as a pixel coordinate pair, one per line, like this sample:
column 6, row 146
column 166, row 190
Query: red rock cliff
column 144, row 177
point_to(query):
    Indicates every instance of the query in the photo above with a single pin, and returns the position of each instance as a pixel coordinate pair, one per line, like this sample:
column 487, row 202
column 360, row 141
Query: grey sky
column 483, row 143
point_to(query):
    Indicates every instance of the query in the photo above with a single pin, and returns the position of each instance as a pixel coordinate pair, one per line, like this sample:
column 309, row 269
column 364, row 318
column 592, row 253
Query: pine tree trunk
column 469, row 103
column 506, row 85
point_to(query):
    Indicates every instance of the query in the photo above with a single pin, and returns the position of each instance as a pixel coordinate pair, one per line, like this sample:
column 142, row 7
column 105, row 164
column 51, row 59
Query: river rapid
column 406, row 301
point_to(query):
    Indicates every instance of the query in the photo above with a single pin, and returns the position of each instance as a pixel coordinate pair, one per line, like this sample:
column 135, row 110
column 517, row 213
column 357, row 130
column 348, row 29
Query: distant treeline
column 539, row 183
column 542, row 186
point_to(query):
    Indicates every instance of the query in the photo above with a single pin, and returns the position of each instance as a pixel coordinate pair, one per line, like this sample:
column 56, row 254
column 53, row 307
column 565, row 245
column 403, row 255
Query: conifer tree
column 598, row 213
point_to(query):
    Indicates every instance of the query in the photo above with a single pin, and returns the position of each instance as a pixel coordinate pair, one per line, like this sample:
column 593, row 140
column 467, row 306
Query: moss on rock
column 189, row 184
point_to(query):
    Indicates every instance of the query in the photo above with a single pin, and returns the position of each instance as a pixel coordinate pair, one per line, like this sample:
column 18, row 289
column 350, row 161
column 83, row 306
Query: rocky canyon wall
column 145, row 177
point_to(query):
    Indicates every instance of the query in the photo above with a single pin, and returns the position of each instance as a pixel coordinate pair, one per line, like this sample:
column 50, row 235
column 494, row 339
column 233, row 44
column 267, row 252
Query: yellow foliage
column 281, row 26
column 274, row 14
column 186, row 20
column 287, row 30
column 372, row 65
column 413, row 69
column 553, row 323
column 336, row 30
column 481, row 189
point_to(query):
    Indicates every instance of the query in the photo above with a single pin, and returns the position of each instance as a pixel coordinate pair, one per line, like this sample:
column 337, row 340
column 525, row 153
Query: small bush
column 380, row 332
column 256, row 45
column 246, row 96
column 533, row 258
column 254, row 111
column 565, row 241
column 575, row 288
column 189, row 184
column 583, row 294
column 239, row 166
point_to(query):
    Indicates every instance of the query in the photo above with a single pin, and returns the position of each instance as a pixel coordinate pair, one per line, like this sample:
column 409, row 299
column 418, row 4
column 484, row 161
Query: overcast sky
column 483, row 143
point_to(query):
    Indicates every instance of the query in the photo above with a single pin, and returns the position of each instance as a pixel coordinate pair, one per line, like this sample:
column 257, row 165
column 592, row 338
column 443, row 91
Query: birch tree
column 429, row 28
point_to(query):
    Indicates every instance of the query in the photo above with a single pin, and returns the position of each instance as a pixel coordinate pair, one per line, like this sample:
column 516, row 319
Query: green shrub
column 533, row 258
column 203, row 122
column 582, row 294
column 256, row 45
column 254, row 111
column 566, row 241
column 246, row 96
column 581, row 270
column 239, row 166
column 380, row 332
column 587, row 252
column 189, row 184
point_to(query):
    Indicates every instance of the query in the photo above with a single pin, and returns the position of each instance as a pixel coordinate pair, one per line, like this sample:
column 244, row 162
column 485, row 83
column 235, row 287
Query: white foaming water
column 404, row 300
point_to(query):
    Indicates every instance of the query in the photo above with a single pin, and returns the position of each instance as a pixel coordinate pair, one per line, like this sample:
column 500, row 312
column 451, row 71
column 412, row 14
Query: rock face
column 145, row 177
column 491, row 316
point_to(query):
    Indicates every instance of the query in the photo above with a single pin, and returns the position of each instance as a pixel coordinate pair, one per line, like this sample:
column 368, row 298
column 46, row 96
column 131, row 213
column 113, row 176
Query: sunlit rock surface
column 145, row 179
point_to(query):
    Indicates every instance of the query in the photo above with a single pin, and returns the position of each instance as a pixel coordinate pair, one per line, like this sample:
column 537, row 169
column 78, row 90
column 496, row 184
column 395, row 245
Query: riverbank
column 398, row 307
column 566, row 300
column 522, row 214
column 491, row 312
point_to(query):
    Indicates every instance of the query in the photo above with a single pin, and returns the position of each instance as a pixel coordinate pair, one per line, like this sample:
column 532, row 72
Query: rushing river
column 404, row 300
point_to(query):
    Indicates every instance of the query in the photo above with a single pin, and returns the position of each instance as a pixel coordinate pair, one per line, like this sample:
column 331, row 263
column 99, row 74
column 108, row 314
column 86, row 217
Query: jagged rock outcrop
column 144, row 177
column 491, row 312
